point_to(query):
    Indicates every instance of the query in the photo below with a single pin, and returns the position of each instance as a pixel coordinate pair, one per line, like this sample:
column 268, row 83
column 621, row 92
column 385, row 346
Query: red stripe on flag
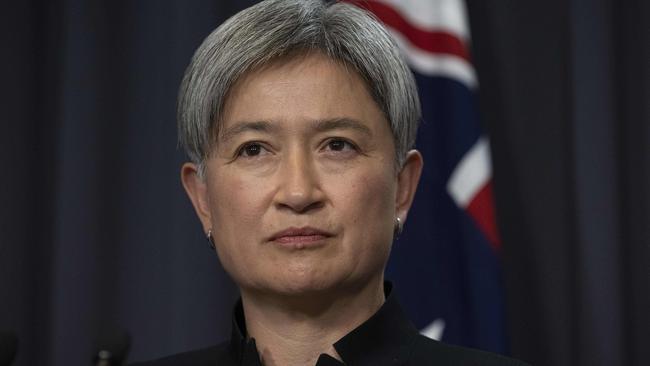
column 481, row 209
column 434, row 42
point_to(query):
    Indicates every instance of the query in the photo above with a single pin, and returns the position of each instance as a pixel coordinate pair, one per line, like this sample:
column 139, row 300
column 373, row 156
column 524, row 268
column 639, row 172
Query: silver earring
column 397, row 231
column 210, row 239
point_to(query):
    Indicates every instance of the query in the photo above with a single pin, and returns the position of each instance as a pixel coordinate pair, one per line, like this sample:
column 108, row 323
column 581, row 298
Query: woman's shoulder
column 200, row 357
column 427, row 351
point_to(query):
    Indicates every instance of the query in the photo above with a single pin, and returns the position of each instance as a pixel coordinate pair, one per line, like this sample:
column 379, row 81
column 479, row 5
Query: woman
column 298, row 118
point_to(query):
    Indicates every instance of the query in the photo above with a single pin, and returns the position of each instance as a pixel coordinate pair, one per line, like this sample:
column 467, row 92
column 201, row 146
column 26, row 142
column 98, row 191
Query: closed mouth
column 300, row 237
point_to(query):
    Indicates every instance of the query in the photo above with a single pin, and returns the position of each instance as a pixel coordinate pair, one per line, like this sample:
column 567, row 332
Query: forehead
column 307, row 87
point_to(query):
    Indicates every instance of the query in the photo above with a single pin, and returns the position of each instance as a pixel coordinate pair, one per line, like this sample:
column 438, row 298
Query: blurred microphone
column 112, row 349
column 8, row 346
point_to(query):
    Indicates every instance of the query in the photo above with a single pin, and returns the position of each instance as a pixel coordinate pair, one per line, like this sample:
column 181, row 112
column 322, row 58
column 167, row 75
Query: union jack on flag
column 446, row 263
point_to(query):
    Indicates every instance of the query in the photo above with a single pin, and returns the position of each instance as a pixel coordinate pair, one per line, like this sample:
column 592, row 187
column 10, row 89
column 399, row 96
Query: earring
column 397, row 231
column 210, row 239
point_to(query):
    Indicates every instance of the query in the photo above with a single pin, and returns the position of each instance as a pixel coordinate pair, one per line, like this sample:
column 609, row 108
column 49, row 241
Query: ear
column 407, row 183
column 196, row 189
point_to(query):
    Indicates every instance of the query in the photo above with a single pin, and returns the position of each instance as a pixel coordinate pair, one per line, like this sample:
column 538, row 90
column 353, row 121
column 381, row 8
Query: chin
column 305, row 283
column 301, row 284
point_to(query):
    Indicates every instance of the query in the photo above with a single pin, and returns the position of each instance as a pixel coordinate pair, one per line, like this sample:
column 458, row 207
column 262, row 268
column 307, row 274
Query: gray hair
column 276, row 28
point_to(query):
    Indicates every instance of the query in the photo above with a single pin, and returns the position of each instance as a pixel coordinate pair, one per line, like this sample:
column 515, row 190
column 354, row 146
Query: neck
column 295, row 330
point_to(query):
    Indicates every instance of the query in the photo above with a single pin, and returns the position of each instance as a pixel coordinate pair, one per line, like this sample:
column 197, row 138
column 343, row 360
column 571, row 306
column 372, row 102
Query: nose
column 299, row 188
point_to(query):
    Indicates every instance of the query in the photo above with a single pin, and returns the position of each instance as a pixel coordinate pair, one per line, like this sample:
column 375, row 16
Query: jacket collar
column 385, row 338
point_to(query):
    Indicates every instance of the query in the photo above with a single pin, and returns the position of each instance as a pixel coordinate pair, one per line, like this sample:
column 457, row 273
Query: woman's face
column 301, row 192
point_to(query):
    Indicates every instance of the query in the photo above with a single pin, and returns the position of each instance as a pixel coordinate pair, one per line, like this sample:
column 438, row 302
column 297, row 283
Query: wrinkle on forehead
column 299, row 59
column 317, row 126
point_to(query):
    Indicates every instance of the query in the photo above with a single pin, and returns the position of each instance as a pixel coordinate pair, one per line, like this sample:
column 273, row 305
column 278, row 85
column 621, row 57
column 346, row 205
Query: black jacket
column 387, row 338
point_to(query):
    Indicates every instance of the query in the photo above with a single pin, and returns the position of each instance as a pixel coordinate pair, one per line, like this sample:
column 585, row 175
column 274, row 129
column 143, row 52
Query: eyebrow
column 342, row 124
column 326, row 125
column 241, row 127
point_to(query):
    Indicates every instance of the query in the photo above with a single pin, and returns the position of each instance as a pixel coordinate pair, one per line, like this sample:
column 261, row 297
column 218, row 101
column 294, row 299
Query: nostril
column 313, row 206
column 301, row 205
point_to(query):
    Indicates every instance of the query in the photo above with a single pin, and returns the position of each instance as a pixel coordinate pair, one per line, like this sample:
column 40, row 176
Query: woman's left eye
column 340, row 145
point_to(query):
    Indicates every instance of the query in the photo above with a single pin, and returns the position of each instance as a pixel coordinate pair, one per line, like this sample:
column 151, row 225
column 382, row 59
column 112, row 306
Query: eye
column 251, row 149
column 340, row 145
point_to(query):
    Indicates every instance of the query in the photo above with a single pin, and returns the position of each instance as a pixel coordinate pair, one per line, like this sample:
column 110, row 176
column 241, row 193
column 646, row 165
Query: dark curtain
column 97, row 237
column 564, row 93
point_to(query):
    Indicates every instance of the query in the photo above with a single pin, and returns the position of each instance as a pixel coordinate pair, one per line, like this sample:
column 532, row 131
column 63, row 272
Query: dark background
column 96, row 235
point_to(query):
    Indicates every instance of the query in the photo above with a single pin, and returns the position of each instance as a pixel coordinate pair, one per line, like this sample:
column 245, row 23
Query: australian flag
column 446, row 264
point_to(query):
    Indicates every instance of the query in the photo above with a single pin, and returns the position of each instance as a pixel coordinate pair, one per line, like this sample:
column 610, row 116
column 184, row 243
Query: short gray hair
column 273, row 29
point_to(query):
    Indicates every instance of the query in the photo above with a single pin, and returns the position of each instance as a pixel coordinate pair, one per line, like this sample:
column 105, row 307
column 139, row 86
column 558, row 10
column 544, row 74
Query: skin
column 303, row 144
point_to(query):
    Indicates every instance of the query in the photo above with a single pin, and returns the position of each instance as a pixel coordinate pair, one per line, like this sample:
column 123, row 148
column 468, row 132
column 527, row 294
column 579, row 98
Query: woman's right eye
column 251, row 149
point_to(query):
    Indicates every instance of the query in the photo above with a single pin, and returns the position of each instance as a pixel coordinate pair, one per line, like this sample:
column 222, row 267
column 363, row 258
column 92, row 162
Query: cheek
column 366, row 199
column 368, row 210
column 235, row 201
column 237, row 206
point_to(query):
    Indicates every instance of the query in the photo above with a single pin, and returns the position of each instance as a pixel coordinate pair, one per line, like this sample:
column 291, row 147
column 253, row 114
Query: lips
column 300, row 237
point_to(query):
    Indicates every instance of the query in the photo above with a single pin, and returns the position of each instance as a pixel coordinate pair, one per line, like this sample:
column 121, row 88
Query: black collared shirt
column 387, row 338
